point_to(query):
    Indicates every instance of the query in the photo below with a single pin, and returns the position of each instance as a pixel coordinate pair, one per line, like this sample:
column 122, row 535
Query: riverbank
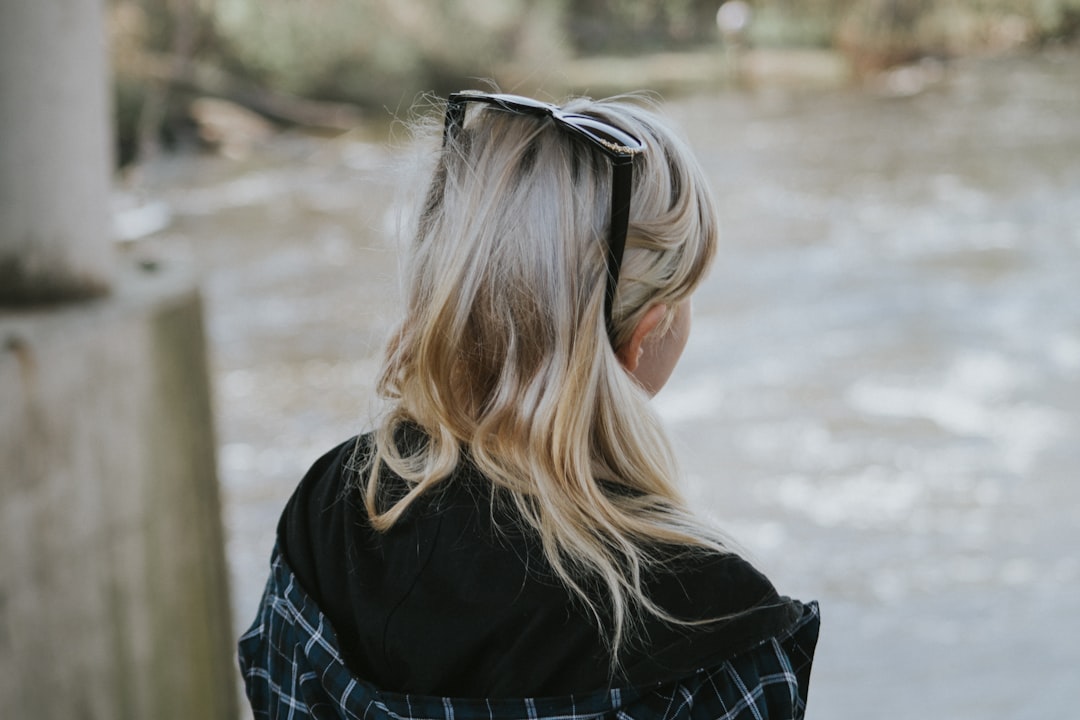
column 688, row 72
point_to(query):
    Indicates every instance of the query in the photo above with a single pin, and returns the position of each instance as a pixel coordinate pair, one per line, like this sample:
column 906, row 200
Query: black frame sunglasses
column 617, row 144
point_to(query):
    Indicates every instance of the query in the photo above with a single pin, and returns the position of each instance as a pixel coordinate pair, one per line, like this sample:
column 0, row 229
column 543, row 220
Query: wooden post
column 113, row 594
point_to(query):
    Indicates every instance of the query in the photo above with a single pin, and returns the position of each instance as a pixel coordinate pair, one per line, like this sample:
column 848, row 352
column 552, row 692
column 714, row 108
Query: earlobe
column 630, row 352
column 629, row 356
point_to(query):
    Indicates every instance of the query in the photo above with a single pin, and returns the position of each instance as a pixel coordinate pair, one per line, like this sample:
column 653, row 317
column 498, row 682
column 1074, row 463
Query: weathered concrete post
column 113, row 598
column 54, row 158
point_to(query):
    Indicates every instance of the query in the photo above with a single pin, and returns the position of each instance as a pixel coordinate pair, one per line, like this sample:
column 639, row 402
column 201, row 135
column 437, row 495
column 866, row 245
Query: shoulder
column 769, row 680
column 726, row 607
column 327, row 479
column 321, row 506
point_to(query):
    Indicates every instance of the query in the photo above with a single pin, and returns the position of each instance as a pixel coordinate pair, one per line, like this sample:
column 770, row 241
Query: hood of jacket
column 293, row 668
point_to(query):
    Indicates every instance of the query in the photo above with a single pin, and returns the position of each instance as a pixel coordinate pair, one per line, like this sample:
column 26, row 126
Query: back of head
column 504, row 352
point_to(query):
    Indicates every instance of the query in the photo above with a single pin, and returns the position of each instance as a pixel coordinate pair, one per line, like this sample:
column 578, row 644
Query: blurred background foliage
column 327, row 63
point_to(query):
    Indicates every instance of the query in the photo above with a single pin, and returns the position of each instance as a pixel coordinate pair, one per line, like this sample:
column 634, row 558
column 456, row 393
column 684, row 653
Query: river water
column 881, row 395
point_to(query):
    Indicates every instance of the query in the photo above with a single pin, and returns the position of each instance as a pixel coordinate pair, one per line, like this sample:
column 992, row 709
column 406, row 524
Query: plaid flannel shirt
column 292, row 669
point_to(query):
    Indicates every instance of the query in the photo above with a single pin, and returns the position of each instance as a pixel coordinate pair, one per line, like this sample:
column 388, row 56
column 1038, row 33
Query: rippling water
column 883, row 399
column 881, row 395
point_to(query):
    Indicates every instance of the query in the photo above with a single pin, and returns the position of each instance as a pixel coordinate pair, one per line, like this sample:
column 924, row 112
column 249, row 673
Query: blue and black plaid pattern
column 293, row 670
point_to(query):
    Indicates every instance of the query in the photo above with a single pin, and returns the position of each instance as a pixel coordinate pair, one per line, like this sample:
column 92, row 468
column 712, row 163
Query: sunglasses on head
column 617, row 144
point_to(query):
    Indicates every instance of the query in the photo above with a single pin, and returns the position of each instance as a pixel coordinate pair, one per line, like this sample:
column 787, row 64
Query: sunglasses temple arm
column 621, row 184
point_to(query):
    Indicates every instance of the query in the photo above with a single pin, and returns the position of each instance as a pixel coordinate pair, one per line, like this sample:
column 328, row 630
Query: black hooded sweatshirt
column 457, row 599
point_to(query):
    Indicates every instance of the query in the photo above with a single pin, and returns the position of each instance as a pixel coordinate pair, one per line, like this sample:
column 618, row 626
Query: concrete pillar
column 55, row 151
column 113, row 595
column 113, row 600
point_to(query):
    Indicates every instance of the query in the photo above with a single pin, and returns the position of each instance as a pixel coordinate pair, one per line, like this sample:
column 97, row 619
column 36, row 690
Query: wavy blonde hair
column 503, row 357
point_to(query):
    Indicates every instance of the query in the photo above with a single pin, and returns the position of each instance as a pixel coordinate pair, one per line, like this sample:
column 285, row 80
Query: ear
column 630, row 352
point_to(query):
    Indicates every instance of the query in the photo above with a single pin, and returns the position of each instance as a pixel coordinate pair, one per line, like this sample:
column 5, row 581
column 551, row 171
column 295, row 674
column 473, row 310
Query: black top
column 457, row 600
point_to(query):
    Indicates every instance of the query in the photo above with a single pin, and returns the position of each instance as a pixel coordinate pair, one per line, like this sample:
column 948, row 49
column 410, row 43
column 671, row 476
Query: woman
column 509, row 541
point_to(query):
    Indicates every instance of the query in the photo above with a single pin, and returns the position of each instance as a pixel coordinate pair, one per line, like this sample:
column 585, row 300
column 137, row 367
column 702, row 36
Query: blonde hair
column 504, row 361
